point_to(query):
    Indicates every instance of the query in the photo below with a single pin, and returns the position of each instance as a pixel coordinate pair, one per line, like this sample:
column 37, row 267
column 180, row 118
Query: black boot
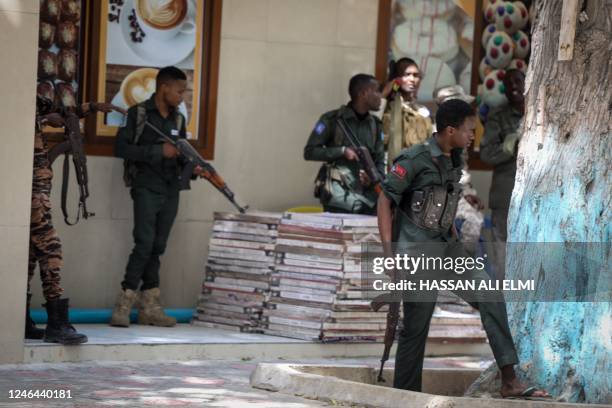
column 31, row 331
column 59, row 330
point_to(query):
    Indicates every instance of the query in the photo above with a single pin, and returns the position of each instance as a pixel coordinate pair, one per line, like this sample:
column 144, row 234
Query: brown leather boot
column 150, row 311
column 123, row 307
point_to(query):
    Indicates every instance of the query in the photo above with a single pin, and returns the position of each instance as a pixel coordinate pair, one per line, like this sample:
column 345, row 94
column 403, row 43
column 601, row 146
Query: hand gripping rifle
column 192, row 156
column 73, row 145
column 365, row 158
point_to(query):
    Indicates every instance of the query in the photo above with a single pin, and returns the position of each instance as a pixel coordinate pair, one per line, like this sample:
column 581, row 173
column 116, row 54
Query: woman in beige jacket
column 405, row 122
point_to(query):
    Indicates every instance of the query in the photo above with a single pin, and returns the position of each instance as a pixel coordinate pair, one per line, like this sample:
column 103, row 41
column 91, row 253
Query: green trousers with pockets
column 417, row 317
column 154, row 214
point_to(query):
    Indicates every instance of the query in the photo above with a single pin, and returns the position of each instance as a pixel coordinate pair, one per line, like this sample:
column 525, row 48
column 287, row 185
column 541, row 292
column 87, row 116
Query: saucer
column 156, row 51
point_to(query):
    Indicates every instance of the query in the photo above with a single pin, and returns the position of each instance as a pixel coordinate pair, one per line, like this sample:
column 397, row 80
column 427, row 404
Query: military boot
column 123, row 307
column 31, row 331
column 150, row 311
column 59, row 330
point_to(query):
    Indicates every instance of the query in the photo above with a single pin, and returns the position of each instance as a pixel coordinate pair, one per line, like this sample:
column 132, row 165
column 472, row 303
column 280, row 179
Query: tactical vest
column 129, row 166
column 434, row 207
column 330, row 172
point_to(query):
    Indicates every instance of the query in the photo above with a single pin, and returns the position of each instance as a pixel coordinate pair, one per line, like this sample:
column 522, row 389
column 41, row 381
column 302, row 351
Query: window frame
column 382, row 47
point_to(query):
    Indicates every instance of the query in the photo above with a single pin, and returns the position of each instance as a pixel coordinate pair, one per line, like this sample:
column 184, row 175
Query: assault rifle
column 188, row 152
column 72, row 145
column 392, row 319
column 365, row 158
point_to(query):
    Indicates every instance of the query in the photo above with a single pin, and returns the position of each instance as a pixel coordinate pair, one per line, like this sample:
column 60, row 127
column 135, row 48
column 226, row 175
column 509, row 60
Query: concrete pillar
column 18, row 64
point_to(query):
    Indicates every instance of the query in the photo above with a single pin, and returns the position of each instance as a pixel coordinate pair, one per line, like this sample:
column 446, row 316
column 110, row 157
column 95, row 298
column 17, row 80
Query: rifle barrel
column 215, row 179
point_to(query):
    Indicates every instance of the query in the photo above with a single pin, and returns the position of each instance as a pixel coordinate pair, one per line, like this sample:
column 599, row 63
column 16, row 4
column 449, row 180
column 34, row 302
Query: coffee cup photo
column 164, row 19
column 138, row 86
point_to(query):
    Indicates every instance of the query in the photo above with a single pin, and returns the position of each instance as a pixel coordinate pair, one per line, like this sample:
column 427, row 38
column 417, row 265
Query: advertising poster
column 138, row 37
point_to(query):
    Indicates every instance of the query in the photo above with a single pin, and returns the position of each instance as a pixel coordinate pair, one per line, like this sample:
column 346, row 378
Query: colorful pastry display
column 506, row 46
column 499, row 49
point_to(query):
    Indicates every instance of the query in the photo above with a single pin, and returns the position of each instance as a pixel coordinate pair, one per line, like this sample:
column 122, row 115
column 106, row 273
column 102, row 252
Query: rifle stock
column 391, row 328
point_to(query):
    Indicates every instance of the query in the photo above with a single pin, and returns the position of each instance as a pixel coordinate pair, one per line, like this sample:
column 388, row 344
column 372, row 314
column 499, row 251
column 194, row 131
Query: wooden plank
column 569, row 16
column 382, row 39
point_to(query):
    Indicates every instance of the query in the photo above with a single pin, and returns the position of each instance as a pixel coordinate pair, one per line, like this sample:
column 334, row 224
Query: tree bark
column 563, row 194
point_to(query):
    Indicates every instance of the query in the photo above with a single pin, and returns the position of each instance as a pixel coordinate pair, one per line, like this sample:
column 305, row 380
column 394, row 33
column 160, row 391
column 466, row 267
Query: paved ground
column 212, row 383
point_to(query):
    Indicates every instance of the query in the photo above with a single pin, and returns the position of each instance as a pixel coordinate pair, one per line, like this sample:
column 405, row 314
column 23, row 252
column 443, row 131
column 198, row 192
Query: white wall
column 283, row 63
column 18, row 41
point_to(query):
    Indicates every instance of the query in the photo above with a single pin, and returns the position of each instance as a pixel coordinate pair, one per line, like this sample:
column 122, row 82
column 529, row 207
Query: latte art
column 139, row 90
column 138, row 86
column 162, row 14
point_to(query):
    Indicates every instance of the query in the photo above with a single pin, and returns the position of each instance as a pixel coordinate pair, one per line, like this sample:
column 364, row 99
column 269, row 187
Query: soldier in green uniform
column 499, row 148
column 423, row 185
column 154, row 171
column 342, row 185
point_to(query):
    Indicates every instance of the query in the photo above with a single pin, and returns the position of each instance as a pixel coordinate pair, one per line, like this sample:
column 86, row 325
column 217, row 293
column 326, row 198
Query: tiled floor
column 181, row 334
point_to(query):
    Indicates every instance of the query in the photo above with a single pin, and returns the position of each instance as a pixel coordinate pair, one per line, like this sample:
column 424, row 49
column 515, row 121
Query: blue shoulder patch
column 319, row 128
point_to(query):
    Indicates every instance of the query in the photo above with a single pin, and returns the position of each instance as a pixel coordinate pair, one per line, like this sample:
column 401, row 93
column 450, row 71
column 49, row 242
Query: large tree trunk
column 563, row 194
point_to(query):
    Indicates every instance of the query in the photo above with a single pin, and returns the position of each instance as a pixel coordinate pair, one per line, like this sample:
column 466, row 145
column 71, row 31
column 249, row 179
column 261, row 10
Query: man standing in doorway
column 154, row 171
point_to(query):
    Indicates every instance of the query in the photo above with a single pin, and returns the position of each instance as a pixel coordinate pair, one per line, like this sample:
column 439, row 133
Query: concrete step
column 187, row 342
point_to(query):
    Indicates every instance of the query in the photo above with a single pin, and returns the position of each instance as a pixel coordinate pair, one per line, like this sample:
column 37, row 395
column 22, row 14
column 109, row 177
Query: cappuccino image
column 162, row 14
column 138, row 86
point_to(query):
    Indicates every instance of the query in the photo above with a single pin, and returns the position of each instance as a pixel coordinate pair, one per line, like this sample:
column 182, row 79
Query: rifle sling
column 65, row 179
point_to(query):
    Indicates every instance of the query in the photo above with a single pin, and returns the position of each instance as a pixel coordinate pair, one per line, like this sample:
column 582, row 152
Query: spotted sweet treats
column 67, row 65
column 50, row 11
column 67, row 35
column 71, row 11
column 47, row 64
column 65, row 94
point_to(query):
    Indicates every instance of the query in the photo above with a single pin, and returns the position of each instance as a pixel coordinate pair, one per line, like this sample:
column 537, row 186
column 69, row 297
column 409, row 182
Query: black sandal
column 527, row 394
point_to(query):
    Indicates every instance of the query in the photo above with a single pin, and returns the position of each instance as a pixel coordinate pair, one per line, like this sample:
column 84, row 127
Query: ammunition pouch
column 328, row 174
column 322, row 189
column 434, row 207
column 129, row 172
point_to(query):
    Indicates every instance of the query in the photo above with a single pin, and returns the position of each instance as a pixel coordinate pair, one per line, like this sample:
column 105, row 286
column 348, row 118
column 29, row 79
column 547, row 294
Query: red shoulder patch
column 398, row 170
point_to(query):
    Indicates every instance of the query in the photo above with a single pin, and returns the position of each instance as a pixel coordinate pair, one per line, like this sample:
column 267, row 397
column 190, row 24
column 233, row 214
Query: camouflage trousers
column 45, row 247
